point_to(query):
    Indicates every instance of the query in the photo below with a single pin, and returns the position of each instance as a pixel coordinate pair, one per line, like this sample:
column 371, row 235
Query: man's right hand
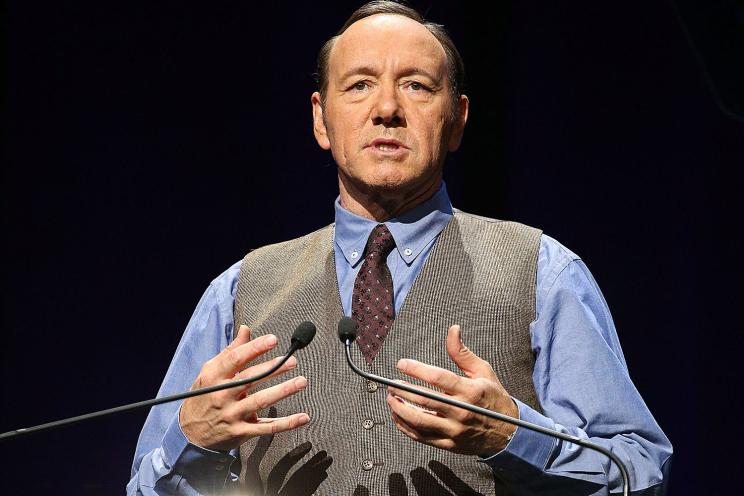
column 225, row 419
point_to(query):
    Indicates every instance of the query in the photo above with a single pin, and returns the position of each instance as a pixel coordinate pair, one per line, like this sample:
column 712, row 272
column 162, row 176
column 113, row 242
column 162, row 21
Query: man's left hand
column 448, row 427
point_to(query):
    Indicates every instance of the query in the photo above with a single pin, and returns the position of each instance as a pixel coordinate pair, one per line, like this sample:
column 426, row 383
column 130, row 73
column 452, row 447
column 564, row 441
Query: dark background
column 148, row 146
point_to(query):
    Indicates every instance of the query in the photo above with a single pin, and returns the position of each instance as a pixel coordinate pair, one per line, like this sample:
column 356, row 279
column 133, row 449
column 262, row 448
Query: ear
column 458, row 128
column 319, row 127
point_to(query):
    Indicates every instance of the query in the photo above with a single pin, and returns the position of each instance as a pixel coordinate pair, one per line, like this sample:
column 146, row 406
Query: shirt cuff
column 527, row 450
column 200, row 466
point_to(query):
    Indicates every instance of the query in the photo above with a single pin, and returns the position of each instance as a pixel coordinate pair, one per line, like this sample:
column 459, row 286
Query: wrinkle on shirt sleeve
column 583, row 386
column 162, row 443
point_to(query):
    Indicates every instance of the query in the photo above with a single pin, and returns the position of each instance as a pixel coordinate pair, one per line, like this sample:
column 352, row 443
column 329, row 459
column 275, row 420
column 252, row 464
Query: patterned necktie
column 372, row 300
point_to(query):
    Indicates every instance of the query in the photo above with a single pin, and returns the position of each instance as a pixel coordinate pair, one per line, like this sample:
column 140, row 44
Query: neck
column 382, row 205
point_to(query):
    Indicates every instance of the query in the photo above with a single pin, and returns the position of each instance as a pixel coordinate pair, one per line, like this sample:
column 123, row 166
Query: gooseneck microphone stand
column 347, row 333
column 301, row 338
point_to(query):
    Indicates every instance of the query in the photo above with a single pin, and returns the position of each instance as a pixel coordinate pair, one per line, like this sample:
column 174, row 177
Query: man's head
column 389, row 106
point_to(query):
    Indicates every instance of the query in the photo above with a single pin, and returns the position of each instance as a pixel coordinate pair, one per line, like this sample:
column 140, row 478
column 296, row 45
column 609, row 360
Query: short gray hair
column 455, row 65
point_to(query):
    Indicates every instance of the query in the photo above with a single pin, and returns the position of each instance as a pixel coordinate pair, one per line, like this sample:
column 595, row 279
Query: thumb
column 471, row 364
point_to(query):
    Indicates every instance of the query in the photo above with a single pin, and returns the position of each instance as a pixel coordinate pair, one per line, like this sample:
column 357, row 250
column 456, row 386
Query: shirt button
column 368, row 424
column 371, row 387
column 223, row 460
column 407, row 252
column 219, row 467
column 354, row 254
column 367, row 465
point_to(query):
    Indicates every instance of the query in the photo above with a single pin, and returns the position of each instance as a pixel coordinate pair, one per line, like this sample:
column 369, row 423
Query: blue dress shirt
column 580, row 375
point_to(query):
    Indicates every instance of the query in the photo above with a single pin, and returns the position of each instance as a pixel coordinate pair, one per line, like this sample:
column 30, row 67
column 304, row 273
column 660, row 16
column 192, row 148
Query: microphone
column 347, row 333
column 303, row 334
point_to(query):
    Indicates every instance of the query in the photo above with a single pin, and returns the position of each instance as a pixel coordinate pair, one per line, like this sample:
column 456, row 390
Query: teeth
column 386, row 148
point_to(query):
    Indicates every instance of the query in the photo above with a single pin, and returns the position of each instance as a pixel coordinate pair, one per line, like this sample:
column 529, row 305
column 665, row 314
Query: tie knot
column 380, row 241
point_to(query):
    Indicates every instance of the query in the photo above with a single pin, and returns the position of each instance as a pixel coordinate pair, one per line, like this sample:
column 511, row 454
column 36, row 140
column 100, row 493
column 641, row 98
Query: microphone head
column 304, row 333
column 347, row 329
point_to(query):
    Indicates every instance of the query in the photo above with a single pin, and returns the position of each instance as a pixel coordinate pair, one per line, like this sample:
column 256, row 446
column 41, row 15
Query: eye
column 359, row 86
column 416, row 86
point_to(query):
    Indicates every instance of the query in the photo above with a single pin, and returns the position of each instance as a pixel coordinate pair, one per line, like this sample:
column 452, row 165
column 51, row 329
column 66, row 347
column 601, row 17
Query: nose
column 387, row 109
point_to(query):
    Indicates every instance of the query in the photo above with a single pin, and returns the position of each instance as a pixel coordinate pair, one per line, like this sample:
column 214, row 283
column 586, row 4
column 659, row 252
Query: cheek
column 434, row 138
column 346, row 134
column 354, row 128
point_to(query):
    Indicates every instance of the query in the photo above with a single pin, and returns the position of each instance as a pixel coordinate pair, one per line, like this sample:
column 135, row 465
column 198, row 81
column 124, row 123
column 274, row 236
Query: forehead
column 384, row 39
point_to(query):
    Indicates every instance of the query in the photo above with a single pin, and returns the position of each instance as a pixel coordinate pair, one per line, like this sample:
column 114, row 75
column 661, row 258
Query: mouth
column 388, row 147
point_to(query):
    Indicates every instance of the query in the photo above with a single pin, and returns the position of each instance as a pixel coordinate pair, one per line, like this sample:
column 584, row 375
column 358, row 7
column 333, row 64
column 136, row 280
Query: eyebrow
column 371, row 71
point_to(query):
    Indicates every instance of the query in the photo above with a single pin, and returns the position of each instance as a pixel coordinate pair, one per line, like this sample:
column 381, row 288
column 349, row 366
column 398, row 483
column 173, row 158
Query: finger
column 422, row 401
column 419, row 420
column 447, row 381
column 266, row 426
column 407, row 430
column 231, row 360
column 243, row 336
column 432, row 439
column 471, row 364
column 265, row 398
column 261, row 369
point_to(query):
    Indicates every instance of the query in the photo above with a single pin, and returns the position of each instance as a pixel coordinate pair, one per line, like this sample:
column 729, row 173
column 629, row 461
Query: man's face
column 388, row 113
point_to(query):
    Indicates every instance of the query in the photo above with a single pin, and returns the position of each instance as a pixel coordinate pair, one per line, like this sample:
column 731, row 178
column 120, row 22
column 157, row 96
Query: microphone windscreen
column 304, row 333
column 347, row 329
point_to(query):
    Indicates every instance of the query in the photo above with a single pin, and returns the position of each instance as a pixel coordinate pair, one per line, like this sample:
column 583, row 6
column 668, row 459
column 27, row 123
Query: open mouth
column 386, row 147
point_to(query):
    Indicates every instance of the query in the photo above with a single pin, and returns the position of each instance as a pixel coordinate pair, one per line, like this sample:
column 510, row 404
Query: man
column 423, row 280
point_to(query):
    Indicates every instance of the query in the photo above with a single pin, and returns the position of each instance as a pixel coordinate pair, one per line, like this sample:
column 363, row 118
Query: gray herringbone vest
column 480, row 274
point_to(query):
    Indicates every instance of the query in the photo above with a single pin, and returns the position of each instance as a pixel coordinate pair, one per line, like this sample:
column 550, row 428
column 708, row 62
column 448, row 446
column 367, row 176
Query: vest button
column 367, row 464
column 371, row 387
column 368, row 424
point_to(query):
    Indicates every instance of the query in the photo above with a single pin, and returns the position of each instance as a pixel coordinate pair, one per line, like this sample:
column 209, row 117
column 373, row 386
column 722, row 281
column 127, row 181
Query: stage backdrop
column 149, row 145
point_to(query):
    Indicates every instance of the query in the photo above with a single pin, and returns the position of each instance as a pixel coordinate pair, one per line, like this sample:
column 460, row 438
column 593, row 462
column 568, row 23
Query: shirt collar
column 412, row 230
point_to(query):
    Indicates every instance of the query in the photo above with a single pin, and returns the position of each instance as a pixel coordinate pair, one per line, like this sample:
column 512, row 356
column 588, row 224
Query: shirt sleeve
column 164, row 461
column 584, row 389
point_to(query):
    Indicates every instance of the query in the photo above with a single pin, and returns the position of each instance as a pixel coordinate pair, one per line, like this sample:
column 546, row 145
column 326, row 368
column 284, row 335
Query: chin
column 386, row 178
column 387, row 182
